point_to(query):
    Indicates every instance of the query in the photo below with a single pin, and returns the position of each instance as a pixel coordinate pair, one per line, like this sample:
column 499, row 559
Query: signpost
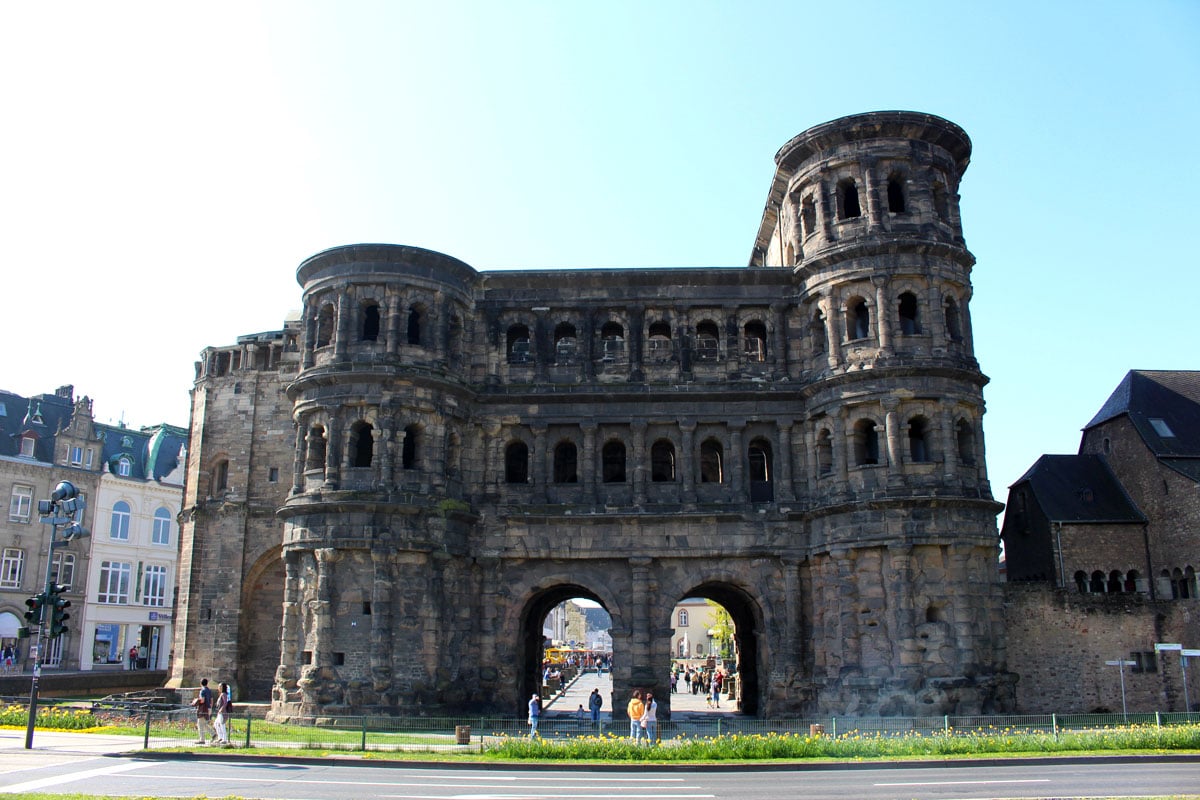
column 1121, row 665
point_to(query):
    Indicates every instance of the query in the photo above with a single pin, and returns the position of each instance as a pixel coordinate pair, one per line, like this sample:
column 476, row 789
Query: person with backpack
column 203, row 705
column 595, row 701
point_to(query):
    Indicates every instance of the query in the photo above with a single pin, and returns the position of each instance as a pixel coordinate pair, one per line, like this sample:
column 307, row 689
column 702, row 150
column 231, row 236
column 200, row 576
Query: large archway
column 262, row 597
column 746, row 616
column 532, row 636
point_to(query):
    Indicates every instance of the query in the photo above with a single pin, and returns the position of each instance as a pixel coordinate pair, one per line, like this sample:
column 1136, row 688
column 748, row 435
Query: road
column 63, row 763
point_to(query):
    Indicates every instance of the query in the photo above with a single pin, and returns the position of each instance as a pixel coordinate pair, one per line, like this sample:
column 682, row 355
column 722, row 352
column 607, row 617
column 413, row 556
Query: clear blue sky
column 166, row 167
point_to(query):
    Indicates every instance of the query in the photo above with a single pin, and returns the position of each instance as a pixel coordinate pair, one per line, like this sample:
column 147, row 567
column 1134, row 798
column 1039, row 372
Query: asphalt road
column 57, row 765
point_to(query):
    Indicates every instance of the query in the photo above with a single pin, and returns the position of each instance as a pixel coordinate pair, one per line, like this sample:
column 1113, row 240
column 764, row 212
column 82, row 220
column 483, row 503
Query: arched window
column 516, row 462
column 918, row 440
column 565, row 343
column 659, row 342
column 708, row 339
column 361, row 443
column 847, row 199
column 119, row 526
column 941, row 201
column 566, row 463
column 896, row 194
column 414, row 325
column 1115, row 584
column 220, row 480
column 612, row 341
column 683, row 618
column 325, row 325
column 1096, row 586
column 161, row 532
column 124, row 467
column 1180, row 590
column 517, row 345
column 866, row 443
column 754, row 341
column 315, row 455
column 824, row 453
column 370, row 323
column 409, row 451
column 1081, row 581
column 817, row 331
column 681, row 648
column 965, row 436
column 859, row 326
column 1189, row 579
column 909, row 324
column 612, row 457
column 761, row 471
column 808, row 215
column 953, row 325
column 662, row 461
column 712, row 468
column 1131, row 579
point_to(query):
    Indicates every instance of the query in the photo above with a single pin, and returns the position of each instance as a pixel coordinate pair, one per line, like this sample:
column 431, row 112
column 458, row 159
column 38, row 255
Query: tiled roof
column 43, row 414
column 1164, row 407
column 1079, row 488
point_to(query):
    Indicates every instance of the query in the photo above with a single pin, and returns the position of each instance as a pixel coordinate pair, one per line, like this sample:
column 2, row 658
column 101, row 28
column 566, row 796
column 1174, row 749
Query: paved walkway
column 681, row 702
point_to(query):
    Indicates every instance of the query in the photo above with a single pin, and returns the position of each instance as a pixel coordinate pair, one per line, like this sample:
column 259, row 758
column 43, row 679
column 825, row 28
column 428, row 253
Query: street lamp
column 64, row 508
column 1121, row 665
column 1160, row 647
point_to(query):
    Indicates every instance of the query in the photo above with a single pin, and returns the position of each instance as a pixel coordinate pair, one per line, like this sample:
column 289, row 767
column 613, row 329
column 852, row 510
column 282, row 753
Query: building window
column 370, row 323
column 859, row 322
column 27, row 445
column 808, row 216
column 847, row 199
column 909, row 324
column 162, row 527
column 953, row 324
column 517, row 345
column 712, row 468
column 154, row 586
column 824, row 453
column 662, row 461
column 62, row 570
column 755, row 341
column 613, row 461
column 20, row 506
column 896, row 195
column 1161, row 428
column 918, row 440
column 325, row 325
column 658, row 346
column 761, row 479
column 314, row 458
column 12, row 568
column 1144, row 661
column 817, row 330
column 965, row 436
column 361, row 444
column 866, row 443
column 114, row 582
column 414, row 326
column 119, row 525
column 566, row 463
column 273, row 475
column 516, row 463
column 708, row 347
column 683, row 618
column 124, row 467
column 76, row 456
column 90, row 458
column 565, row 343
column 409, row 454
column 612, row 341
column 221, row 476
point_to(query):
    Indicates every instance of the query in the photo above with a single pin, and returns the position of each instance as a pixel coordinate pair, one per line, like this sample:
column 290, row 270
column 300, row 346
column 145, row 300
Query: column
column 289, row 646
column 392, row 329
column 780, row 345
column 323, row 634
column 883, row 315
column 638, row 429
column 333, row 446
column 342, row 338
column 298, row 459
column 891, row 426
column 687, row 460
column 947, row 441
column 833, row 341
column 537, row 463
column 737, row 462
column 783, row 487
column 386, row 477
column 587, row 465
column 381, row 621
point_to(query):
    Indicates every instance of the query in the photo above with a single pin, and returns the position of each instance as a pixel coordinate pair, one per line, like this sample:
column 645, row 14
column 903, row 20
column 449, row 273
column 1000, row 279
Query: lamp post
column 1121, row 665
column 1160, row 647
column 64, row 508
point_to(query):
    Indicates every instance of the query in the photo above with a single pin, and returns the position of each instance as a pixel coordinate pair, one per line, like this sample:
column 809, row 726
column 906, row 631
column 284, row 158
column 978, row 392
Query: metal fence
column 177, row 728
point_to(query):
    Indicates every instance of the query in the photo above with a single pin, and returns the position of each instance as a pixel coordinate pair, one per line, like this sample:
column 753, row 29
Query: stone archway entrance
column 747, row 645
column 532, row 639
column 262, row 597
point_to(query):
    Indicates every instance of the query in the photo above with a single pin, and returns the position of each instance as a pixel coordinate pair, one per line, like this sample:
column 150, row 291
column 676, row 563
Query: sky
column 165, row 167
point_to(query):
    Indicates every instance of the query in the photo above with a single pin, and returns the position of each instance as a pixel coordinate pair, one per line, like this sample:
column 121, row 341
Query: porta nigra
column 386, row 496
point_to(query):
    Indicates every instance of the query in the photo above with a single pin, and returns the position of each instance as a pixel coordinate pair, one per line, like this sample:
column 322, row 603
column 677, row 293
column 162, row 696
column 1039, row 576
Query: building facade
column 132, row 482
column 385, row 497
column 1101, row 551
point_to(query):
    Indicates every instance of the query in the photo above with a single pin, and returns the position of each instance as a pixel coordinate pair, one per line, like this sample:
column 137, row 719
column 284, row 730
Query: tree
column 722, row 629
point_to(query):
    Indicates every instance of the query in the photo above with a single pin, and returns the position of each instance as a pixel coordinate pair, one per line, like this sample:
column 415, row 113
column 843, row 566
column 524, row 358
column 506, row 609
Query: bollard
column 462, row 734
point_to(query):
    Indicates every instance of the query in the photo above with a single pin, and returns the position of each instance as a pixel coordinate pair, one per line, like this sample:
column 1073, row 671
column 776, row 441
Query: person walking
column 535, row 712
column 649, row 721
column 716, row 692
column 223, row 711
column 635, row 709
column 595, row 702
column 203, row 705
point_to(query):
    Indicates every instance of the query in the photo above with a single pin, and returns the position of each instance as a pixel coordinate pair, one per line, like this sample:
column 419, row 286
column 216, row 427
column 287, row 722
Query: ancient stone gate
column 386, row 496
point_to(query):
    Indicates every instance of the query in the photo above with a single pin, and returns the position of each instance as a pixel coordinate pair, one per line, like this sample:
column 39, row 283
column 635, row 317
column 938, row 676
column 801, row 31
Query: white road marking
column 71, row 777
column 966, row 783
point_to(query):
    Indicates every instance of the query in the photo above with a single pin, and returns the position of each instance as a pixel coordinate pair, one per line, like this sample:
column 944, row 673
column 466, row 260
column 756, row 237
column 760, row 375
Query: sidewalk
column 683, row 704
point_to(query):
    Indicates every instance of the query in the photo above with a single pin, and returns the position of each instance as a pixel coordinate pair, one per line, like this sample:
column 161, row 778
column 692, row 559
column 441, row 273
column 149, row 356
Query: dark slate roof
column 44, row 414
column 1079, row 488
column 153, row 452
column 1170, row 396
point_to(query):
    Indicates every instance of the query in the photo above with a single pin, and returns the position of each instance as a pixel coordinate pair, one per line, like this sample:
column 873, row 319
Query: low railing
column 177, row 728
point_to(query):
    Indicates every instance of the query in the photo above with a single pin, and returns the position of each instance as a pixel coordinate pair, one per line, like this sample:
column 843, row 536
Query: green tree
column 722, row 630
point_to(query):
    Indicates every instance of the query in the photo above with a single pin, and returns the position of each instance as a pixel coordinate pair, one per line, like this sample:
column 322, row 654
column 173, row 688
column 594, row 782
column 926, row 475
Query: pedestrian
column 222, row 712
column 535, row 712
column 203, row 705
column 649, row 721
column 716, row 693
column 635, row 709
column 133, row 657
column 7, row 655
column 579, row 713
column 595, row 701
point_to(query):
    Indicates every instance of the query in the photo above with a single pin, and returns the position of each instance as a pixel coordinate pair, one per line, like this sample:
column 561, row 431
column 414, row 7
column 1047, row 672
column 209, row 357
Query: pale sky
column 165, row 167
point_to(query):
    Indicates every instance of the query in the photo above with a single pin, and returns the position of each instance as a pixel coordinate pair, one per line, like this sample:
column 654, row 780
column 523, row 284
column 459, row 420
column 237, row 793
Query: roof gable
column 1164, row 408
column 1079, row 488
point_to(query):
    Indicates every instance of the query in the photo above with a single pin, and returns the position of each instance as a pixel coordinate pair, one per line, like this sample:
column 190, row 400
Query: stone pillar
column 810, row 458
column 381, row 622
column 537, row 462
column 639, row 463
column 883, row 315
column 871, row 194
column 392, row 324
column 784, row 490
column 826, row 208
column 780, row 345
column 341, row 339
column 948, row 441
column 323, row 611
column 843, row 449
column 900, row 600
column 493, row 466
column 309, row 346
column 588, row 468
column 634, row 342
column 333, row 447
column 299, row 459
column 737, row 462
column 687, row 460
column 383, row 446
column 891, row 426
column 833, row 340
column 290, row 632
column 645, row 670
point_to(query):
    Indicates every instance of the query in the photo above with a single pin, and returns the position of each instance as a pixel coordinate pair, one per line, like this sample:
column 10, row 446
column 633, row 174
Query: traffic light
column 33, row 616
column 58, row 611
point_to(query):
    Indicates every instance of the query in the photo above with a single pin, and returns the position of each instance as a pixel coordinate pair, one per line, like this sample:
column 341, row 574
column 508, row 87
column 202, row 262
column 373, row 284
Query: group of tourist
column 9, row 658
column 701, row 679
column 213, row 713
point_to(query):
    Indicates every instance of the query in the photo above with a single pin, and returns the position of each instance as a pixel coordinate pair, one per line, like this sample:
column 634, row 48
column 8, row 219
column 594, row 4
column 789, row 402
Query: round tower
column 901, row 521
